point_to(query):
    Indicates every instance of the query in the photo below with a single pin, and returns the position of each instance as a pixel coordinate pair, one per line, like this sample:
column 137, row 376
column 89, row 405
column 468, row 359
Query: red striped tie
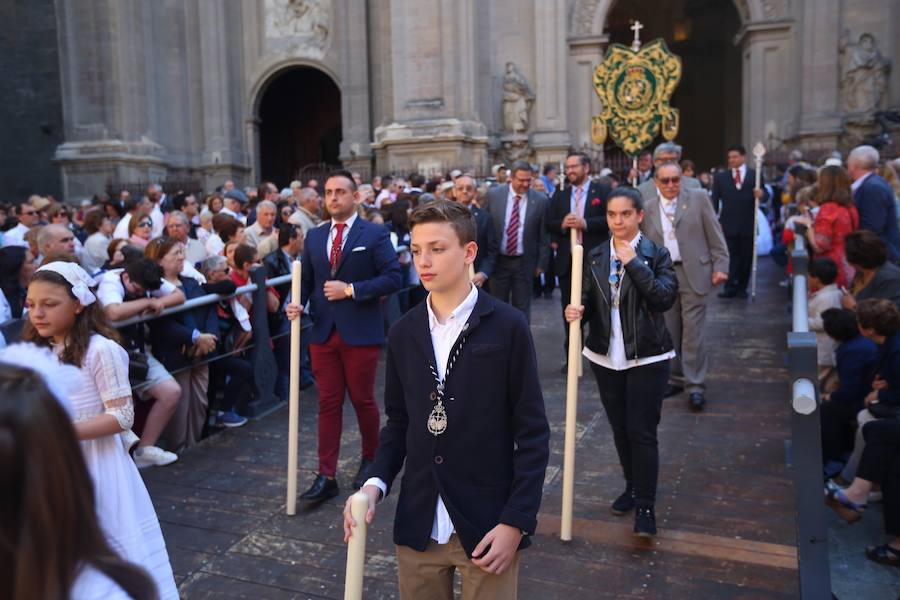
column 512, row 230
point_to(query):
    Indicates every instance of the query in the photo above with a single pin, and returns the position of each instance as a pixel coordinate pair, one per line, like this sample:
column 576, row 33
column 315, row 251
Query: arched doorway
column 299, row 123
column 708, row 97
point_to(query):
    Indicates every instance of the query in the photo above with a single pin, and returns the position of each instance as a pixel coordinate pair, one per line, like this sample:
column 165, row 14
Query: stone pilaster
column 550, row 138
column 356, row 147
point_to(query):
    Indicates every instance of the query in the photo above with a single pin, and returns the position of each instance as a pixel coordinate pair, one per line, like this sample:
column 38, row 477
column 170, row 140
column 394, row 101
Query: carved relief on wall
column 300, row 27
column 517, row 100
column 583, row 14
column 864, row 74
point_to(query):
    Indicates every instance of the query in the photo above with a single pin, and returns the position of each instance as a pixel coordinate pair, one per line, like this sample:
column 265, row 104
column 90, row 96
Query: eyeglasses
column 30, row 213
column 145, row 224
column 668, row 180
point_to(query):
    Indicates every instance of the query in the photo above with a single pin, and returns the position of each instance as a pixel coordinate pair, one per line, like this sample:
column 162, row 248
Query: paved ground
column 725, row 501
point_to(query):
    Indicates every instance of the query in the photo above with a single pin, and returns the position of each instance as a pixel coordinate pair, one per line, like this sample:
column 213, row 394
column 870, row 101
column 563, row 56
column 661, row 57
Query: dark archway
column 300, row 123
column 708, row 97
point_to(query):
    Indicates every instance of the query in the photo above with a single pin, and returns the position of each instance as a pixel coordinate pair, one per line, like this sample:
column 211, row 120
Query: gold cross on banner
column 636, row 28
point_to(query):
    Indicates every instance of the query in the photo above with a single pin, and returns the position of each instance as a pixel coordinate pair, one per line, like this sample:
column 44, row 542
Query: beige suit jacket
column 700, row 238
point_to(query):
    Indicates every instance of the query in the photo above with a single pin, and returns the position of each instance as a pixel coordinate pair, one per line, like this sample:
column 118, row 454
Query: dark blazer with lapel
column 874, row 200
column 536, row 239
column 735, row 206
column 487, row 243
column 597, row 230
column 369, row 262
column 489, row 465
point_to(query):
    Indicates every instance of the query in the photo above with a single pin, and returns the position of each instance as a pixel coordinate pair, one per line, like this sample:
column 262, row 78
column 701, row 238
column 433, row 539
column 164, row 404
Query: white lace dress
column 123, row 504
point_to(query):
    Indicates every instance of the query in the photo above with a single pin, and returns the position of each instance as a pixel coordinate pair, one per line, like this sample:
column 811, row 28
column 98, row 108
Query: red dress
column 831, row 226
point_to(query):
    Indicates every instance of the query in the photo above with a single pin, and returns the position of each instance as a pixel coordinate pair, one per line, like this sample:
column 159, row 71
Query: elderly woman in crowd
column 99, row 229
column 140, row 231
column 876, row 277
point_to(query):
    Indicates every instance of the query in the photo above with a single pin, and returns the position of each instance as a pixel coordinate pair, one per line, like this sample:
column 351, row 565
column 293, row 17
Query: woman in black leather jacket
column 628, row 283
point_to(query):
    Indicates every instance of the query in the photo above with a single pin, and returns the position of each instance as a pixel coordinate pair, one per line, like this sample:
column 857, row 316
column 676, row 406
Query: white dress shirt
column 240, row 217
column 616, row 358
column 584, row 198
column 523, row 208
column 158, row 220
column 16, row 236
column 329, row 242
column 667, row 210
column 743, row 171
column 443, row 337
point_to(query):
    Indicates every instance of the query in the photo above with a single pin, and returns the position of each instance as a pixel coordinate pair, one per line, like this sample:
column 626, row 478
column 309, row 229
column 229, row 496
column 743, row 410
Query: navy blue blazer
column 369, row 262
column 877, row 211
column 488, row 466
column 487, row 243
column 856, row 360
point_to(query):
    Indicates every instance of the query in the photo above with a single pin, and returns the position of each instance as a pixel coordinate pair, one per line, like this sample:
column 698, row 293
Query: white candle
column 356, row 548
column 294, row 397
column 572, row 393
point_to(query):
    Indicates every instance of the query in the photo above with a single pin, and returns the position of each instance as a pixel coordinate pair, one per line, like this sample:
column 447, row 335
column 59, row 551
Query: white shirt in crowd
column 520, row 235
column 332, row 233
column 214, row 245
column 743, row 171
column 237, row 216
column 121, row 231
column 616, row 358
column 584, row 198
column 667, row 210
column 159, row 221
column 95, row 252
column 16, row 236
column 443, row 337
column 112, row 291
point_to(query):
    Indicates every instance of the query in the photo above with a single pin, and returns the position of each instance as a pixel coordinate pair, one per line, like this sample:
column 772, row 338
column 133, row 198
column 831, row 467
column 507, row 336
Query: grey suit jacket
column 536, row 240
column 687, row 183
column 700, row 238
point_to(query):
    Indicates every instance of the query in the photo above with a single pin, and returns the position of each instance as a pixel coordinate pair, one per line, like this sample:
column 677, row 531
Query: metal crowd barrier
column 806, row 435
column 262, row 358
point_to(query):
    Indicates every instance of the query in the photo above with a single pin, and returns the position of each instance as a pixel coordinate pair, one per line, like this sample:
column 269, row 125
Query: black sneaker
column 645, row 521
column 623, row 504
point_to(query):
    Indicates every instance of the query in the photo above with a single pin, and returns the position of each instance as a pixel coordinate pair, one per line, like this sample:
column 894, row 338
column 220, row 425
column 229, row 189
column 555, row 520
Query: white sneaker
column 151, row 456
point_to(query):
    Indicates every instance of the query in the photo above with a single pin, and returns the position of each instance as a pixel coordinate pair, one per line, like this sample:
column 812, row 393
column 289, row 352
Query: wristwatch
column 348, row 291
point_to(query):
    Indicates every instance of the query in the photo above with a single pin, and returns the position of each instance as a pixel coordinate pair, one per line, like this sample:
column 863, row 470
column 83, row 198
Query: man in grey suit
column 684, row 222
column 519, row 217
column 667, row 152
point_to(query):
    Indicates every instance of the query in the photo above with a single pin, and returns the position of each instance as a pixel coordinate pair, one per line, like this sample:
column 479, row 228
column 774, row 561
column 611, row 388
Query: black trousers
column 838, row 421
column 633, row 401
column 880, row 463
column 510, row 283
column 740, row 262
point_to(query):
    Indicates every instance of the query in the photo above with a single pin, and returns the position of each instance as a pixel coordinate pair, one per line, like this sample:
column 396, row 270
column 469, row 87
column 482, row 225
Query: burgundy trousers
column 340, row 368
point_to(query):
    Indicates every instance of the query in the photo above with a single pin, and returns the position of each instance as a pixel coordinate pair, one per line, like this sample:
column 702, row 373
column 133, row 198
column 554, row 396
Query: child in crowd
column 823, row 294
column 469, row 424
column 64, row 314
column 53, row 544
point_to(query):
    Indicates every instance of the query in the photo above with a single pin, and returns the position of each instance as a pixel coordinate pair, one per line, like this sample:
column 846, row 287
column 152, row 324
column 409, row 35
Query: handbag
column 138, row 367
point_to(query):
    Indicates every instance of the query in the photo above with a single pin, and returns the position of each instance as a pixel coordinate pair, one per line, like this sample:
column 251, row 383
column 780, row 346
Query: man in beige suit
column 683, row 220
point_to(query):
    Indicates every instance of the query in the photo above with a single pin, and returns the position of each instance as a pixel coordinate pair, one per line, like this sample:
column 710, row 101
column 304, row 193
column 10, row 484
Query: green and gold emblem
column 634, row 89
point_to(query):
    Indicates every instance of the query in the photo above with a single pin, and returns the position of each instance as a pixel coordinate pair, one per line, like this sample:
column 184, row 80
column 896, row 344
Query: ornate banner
column 634, row 89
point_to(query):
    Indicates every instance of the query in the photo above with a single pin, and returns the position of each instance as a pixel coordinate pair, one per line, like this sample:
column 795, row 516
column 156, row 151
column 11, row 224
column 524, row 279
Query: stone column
column 820, row 72
column 550, row 139
column 585, row 53
column 430, row 124
column 356, row 147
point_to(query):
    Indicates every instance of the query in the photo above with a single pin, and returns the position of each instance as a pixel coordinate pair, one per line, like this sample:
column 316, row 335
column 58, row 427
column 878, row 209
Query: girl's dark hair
column 91, row 320
column 93, row 220
column 834, row 186
column 228, row 229
column 878, row 314
column 113, row 244
column 637, row 200
column 840, row 324
column 11, row 260
column 48, row 523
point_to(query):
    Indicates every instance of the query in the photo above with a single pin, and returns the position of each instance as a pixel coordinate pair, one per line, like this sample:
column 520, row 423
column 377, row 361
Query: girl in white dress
column 52, row 544
column 64, row 313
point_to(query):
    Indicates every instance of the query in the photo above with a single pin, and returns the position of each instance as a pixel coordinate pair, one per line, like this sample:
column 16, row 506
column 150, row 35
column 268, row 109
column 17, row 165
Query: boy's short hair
column 823, row 269
column 145, row 272
column 444, row 211
column 878, row 314
column 244, row 253
column 840, row 324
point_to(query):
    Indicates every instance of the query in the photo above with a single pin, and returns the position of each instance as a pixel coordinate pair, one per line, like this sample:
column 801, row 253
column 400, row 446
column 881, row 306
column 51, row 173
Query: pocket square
column 595, row 202
column 359, row 249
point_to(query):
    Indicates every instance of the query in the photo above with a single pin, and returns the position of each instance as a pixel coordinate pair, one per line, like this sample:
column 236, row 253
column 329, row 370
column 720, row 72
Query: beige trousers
column 429, row 575
column 186, row 424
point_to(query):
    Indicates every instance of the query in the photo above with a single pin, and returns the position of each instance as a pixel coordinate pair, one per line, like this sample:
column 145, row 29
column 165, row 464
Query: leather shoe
column 672, row 390
column 697, row 401
column 322, row 489
column 362, row 474
column 623, row 504
column 645, row 521
column 727, row 294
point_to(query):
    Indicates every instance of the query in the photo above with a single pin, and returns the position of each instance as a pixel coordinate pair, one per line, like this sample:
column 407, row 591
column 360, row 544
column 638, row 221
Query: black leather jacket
column 649, row 288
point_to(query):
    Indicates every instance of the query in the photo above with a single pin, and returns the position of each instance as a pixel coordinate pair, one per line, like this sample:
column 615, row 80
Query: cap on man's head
column 237, row 194
column 39, row 203
column 496, row 168
column 455, row 173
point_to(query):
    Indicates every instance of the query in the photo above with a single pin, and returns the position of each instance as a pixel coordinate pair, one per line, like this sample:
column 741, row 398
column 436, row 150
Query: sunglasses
column 30, row 213
column 145, row 224
column 668, row 180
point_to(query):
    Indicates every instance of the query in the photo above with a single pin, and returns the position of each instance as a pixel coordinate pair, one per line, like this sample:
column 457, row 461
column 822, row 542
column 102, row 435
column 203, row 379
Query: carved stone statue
column 302, row 19
column 517, row 100
column 864, row 74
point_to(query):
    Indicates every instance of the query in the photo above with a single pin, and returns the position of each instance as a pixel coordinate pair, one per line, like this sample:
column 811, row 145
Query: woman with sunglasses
column 140, row 231
column 628, row 283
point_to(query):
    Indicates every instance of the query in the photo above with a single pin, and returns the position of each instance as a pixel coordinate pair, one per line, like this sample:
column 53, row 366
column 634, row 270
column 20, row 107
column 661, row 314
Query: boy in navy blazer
column 348, row 265
column 466, row 415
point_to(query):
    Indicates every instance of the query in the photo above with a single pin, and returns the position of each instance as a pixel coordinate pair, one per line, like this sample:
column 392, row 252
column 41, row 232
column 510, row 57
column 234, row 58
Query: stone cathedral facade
column 141, row 90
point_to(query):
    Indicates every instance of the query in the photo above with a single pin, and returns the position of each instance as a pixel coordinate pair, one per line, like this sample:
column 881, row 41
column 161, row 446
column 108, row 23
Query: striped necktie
column 512, row 230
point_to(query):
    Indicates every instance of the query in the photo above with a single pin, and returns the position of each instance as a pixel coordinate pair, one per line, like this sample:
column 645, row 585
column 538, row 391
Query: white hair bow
column 77, row 277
